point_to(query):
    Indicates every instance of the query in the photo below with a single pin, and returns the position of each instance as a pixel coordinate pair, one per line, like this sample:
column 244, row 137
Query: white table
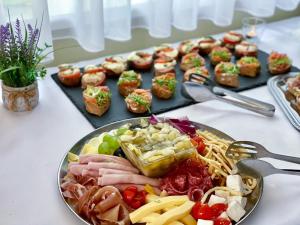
column 33, row 143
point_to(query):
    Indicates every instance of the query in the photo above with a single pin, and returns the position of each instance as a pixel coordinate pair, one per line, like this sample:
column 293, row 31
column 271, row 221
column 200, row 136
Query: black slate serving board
column 118, row 110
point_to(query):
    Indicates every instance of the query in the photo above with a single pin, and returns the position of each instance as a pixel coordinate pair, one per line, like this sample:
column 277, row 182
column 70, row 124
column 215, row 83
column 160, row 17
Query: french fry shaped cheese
column 156, row 205
column 173, row 214
column 188, row 220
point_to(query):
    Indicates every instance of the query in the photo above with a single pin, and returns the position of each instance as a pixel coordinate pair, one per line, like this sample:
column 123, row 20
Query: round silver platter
column 253, row 198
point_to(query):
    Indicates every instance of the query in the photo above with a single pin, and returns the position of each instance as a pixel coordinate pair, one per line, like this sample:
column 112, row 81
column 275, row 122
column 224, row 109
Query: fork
column 246, row 166
column 247, row 149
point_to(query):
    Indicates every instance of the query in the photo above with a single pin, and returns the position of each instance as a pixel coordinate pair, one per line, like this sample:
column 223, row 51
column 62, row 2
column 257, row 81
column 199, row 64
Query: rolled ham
column 90, row 173
column 103, row 171
column 113, row 179
column 76, row 168
column 103, row 158
column 110, row 165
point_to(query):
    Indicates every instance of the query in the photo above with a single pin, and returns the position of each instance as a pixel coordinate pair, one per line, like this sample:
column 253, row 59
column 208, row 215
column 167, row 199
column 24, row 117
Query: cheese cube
column 235, row 211
column 235, row 182
column 223, row 215
column 222, row 194
column 216, row 199
column 239, row 199
column 205, row 222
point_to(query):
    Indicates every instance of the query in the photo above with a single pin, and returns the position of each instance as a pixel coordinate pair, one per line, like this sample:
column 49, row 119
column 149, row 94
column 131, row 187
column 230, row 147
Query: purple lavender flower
column 18, row 33
column 4, row 34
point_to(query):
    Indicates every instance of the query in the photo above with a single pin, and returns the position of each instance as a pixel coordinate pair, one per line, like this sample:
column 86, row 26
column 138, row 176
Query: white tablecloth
column 33, row 143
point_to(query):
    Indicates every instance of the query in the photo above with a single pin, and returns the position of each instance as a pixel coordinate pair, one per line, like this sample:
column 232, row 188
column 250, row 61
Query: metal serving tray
column 278, row 88
column 253, row 198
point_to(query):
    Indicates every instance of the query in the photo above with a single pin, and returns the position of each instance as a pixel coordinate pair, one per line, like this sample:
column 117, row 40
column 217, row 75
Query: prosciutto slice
column 112, row 179
column 103, row 206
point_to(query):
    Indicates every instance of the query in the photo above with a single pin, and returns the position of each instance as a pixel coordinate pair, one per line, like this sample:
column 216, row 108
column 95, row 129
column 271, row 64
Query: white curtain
column 91, row 21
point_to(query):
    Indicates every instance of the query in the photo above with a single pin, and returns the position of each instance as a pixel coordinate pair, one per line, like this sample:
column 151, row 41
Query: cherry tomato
column 202, row 211
column 218, row 208
column 198, row 142
column 129, row 193
column 133, row 197
column 135, row 204
column 222, row 221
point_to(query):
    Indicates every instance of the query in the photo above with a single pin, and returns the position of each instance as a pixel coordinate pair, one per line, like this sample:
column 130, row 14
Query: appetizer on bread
column 206, row 44
column 69, row 75
column 245, row 49
column 164, row 65
column 248, row 66
column 97, row 99
column 187, row 46
column 191, row 60
column 128, row 82
column 196, row 70
column 279, row 63
column 140, row 60
column 114, row 66
column 139, row 101
column 231, row 39
column 219, row 54
column 164, row 86
column 93, row 76
column 165, row 50
column 226, row 73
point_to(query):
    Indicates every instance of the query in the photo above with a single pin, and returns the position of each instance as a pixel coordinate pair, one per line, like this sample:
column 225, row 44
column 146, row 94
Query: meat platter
column 152, row 179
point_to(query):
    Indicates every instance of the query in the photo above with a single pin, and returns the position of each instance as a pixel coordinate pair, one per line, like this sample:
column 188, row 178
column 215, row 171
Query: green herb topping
column 249, row 59
column 224, row 55
column 170, row 83
column 230, row 69
column 128, row 76
column 139, row 100
column 102, row 97
column 284, row 60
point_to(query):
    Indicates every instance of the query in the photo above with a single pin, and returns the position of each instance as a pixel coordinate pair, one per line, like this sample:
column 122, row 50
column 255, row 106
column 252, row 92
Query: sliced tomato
column 222, row 221
column 218, row 208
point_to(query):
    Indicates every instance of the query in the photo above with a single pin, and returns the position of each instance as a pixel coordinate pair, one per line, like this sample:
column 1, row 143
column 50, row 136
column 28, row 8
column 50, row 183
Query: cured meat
column 110, row 165
column 102, row 158
column 76, row 168
column 112, row 179
column 102, row 206
column 103, row 171
column 188, row 177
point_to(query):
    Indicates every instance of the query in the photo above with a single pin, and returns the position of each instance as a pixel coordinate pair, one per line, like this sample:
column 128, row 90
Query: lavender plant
column 20, row 56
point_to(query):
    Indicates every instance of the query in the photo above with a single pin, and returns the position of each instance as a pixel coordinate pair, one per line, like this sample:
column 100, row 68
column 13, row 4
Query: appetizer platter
column 154, row 170
column 286, row 91
column 150, row 81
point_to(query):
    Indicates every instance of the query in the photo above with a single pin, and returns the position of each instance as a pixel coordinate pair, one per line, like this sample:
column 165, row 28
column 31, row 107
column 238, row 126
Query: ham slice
column 76, row 168
column 112, row 179
column 103, row 158
column 91, row 173
column 103, row 171
column 110, row 165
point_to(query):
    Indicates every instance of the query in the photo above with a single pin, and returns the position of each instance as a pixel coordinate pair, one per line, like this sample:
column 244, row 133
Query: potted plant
column 20, row 59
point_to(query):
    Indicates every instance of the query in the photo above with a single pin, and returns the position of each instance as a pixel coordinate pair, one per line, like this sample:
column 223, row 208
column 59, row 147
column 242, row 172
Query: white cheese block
column 239, row 199
column 224, row 215
column 205, row 222
column 214, row 199
column 222, row 194
column 235, row 211
column 235, row 182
